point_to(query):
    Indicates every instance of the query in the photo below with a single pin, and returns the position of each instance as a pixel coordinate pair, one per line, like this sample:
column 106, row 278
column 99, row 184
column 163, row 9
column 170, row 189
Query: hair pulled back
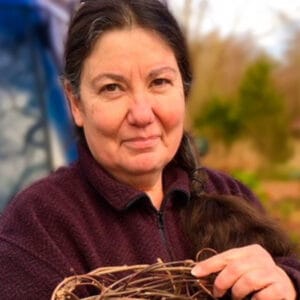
column 96, row 17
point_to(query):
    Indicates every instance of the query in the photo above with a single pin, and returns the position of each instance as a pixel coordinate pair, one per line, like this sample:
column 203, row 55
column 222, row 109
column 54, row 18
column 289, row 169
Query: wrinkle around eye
column 111, row 91
column 160, row 83
column 111, row 87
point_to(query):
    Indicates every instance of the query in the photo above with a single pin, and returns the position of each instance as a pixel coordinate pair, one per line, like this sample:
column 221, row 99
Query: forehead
column 132, row 43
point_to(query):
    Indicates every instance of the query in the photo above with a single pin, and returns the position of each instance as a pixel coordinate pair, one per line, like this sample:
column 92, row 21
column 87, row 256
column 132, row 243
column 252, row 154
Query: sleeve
column 291, row 265
column 221, row 183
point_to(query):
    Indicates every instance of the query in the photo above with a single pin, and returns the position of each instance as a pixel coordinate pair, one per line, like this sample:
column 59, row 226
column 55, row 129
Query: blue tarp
column 36, row 130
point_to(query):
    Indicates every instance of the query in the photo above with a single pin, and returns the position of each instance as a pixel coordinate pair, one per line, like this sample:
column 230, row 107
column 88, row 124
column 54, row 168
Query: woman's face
column 131, row 104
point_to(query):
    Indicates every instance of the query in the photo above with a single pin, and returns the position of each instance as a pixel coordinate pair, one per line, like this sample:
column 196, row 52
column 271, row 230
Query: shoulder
column 221, row 183
column 50, row 191
column 32, row 220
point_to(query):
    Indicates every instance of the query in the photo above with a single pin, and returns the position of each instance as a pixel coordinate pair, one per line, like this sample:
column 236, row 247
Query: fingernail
column 196, row 271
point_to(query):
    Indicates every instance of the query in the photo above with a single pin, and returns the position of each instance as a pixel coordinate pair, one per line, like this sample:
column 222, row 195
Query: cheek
column 173, row 114
column 107, row 118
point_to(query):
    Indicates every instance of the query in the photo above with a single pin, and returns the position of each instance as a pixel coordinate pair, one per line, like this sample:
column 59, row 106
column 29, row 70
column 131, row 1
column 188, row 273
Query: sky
column 262, row 18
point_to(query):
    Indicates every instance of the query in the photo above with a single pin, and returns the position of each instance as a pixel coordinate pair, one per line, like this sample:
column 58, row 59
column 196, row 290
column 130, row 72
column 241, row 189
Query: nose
column 140, row 112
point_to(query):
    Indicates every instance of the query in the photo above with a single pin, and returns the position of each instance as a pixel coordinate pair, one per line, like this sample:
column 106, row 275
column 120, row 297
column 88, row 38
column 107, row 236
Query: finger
column 217, row 262
column 232, row 274
column 282, row 288
column 265, row 284
column 271, row 292
column 213, row 264
column 251, row 281
column 248, row 255
column 208, row 266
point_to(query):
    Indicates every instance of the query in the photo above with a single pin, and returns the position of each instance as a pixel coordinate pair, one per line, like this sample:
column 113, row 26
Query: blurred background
column 36, row 134
column 244, row 109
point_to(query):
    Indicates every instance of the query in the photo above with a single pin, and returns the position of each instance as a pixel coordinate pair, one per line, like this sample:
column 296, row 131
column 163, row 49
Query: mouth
column 142, row 143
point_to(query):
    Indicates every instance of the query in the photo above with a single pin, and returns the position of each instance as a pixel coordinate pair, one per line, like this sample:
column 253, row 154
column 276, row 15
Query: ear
column 74, row 104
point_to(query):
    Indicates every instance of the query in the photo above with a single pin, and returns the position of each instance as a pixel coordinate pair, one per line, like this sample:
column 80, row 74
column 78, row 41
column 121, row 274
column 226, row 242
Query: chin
column 145, row 166
column 147, row 162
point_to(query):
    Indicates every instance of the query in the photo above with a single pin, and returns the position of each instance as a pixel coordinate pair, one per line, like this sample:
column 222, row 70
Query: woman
column 126, row 78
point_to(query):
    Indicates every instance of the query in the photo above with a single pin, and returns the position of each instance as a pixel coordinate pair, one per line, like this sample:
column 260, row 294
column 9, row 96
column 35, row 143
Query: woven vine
column 161, row 280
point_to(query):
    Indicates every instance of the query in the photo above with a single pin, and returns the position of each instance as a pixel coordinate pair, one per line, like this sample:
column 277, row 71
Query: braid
column 222, row 222
column 188, row 159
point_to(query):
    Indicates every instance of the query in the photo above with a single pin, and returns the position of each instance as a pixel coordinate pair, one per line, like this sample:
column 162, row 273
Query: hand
column 247, row 270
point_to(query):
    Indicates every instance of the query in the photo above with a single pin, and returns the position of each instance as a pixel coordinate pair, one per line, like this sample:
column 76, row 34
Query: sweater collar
column 121, row 195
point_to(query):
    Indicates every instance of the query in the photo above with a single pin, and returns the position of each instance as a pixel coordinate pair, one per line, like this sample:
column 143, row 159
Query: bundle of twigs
column 172, row 280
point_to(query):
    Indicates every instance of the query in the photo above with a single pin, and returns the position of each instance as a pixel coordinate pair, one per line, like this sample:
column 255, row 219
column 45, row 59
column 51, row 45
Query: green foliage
column 220, row 120
column 263, row 112
column 248, row 178
column 258, row 113
column 252, row 181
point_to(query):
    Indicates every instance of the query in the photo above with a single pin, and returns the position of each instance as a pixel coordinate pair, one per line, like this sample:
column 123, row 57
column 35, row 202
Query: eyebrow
column 157, row 71
column 112, row 76
column 120, row 78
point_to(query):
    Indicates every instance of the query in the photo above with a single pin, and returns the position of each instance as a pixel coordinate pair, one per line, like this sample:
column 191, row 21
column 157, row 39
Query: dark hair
column 222, row 222
column 93, row 18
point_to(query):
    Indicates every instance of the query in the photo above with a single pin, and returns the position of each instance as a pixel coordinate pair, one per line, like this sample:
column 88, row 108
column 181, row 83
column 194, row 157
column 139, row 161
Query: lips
column 142, row 142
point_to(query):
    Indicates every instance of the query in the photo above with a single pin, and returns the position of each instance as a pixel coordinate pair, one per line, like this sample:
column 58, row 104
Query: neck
column 156, row 197
column 151, row 185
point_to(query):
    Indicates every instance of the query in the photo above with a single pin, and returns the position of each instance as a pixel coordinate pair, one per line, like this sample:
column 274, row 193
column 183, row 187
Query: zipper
column 160, row 221
column 161, row 227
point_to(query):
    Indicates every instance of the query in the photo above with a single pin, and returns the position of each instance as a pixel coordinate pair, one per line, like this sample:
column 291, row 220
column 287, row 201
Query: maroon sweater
column 79, row 218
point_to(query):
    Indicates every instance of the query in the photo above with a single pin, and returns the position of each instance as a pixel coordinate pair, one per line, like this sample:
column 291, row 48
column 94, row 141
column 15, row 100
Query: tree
column 288, row 76
column 262, row 110
column 257, row 114
column 219, row 120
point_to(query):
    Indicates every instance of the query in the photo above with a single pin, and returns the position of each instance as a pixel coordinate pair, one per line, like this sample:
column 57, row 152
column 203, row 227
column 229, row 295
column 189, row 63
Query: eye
column 160, row 82
column 110, row 88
